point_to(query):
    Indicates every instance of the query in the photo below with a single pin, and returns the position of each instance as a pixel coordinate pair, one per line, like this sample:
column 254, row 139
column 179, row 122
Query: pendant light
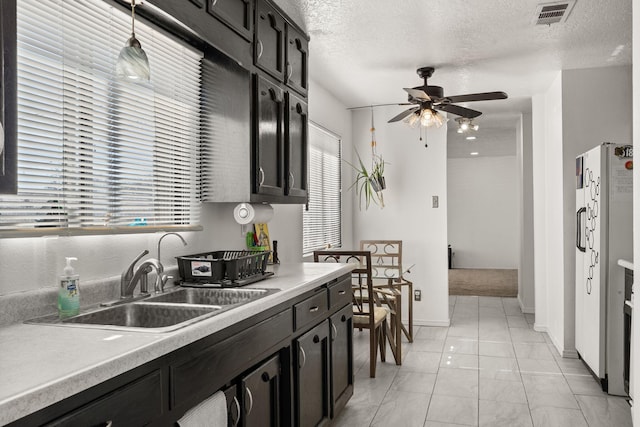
column 133, row 63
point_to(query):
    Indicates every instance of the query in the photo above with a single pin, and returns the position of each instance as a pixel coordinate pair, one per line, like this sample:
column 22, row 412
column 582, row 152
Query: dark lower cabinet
column 312, row 377
column 137, row 403
column 341, row 359
column 261, row 395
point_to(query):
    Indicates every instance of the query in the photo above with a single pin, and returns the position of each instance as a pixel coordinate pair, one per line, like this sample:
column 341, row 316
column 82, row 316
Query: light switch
column 434, row 201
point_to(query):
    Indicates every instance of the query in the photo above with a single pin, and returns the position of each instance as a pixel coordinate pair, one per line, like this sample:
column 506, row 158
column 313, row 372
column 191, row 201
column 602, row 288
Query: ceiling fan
column 429, row 99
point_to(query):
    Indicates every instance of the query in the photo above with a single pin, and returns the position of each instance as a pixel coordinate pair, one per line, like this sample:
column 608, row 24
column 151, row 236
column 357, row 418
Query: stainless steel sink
column 161, row 313
column 143, row 316
column 211, row 296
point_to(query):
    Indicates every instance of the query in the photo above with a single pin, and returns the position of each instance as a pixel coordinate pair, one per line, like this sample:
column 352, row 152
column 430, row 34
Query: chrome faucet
column 131, row 276
column 165, row 235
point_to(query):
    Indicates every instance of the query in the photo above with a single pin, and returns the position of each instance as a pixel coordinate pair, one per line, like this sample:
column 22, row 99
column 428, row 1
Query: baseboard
column 565, row 353
column 525, row 310
column 539, row 328
column 444, row 323
column 570, row 354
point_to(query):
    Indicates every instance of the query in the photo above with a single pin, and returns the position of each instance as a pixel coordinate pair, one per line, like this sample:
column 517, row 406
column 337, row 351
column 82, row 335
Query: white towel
column 212, row 412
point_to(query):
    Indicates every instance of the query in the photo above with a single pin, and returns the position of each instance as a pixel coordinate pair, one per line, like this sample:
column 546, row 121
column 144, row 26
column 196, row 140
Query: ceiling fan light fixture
column 465, row 125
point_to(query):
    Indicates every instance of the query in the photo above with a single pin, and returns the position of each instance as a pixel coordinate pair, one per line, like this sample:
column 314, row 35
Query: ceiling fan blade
column 458, row 110
column 404, row 114
column 485, row 96
column 417, row 94
column 380, row 105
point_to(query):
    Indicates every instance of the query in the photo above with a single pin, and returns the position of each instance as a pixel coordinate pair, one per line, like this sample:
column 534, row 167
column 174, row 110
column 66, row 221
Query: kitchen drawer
column 311, row 310
column 340, row 293
column 199, row 375
column 137, row 403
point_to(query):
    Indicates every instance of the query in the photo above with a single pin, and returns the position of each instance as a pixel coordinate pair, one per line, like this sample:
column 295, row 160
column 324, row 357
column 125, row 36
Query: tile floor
column 489, row 368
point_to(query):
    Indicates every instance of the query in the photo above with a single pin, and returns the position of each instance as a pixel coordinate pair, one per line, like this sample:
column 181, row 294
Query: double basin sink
column 163, row 312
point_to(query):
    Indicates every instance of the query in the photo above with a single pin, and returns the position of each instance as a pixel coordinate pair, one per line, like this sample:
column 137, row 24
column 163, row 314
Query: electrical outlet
column 434, row 200
column 417, row 295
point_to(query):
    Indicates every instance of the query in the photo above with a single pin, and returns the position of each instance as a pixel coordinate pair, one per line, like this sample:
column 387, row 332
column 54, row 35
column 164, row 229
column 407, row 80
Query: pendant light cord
column 373, row 140
column 133, row 18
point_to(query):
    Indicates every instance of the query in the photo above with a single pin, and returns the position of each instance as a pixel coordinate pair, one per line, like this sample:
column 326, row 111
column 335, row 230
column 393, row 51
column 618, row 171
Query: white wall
column 482, row 197
column 569, row 127
column 526, row 285
column 33, row 263
column 413, row 175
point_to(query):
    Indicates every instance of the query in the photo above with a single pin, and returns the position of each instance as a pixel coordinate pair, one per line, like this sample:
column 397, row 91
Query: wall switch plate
column 417, row 295
column 434, row 200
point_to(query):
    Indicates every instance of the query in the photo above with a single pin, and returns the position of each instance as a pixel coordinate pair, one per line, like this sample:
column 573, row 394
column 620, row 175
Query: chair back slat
column 386, row 258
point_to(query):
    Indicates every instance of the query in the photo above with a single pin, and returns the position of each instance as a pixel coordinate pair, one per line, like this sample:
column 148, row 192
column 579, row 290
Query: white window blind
column 322, row 220
column 94, row 151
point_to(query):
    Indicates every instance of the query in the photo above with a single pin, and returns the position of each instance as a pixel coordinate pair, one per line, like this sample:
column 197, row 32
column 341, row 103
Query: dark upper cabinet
column 268, row 141
column 237, row 14
column 268, row 47
column 297, row 49
column 296, row 130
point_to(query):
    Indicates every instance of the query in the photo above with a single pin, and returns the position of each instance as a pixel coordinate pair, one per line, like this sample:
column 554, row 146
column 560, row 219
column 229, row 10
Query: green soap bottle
column 69, row 292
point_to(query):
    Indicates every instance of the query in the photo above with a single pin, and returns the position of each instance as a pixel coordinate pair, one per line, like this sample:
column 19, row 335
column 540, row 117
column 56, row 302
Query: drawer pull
column 335, row 332
column 303, row 358
column 343, row 318
column 316, row 339
column 250, row 399
column 291, row 180
column 213, row 3
column 265, row 377
column 234, row 420
column 342, row 292
column 108, row 423
column 314, row 309
column 261, row 171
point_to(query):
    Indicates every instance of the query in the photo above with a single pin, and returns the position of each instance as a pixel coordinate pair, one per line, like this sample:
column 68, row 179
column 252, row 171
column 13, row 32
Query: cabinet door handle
column 108, row 423
column 289, row 71
column 234, row 421
column 250, row 399
column 292, row 180
column 342, row 292
column 213, row 3
column 260, row 49
column 261, row 177
column 334, row 330
column 314, row 309
column 303, row 358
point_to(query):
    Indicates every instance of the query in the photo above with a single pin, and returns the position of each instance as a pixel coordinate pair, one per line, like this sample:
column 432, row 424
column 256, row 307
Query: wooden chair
column 366, row 313
column 386, row 258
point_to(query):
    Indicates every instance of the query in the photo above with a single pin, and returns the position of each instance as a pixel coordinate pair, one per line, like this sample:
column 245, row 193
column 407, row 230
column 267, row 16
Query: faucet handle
column 161, row 281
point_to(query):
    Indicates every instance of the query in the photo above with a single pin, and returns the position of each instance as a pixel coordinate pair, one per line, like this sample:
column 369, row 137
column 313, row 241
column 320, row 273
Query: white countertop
column 626, row 264
column 43, row 364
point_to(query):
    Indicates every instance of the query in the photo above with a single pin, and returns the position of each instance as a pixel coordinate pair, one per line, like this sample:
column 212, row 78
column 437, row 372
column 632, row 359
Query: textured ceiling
column 366, row 51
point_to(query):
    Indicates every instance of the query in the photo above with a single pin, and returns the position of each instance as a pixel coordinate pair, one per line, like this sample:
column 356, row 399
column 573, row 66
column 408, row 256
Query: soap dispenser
column 69, row 292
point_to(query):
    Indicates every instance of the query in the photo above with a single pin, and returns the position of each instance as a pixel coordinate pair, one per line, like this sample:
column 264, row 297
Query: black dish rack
column 223, row 268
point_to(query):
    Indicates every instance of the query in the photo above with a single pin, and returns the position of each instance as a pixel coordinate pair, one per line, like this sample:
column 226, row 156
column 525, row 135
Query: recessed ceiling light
column 475, row 153
column 470, row 138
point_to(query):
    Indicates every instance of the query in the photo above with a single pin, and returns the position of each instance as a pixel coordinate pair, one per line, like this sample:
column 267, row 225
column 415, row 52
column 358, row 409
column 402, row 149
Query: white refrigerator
column 604, row 215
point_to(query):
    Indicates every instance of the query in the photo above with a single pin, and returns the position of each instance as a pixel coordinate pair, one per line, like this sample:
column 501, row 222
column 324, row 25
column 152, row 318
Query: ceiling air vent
column 551, row 13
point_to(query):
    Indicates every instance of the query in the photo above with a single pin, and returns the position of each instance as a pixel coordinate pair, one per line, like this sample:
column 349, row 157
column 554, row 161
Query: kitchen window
column 322, row 218
column 96, row 154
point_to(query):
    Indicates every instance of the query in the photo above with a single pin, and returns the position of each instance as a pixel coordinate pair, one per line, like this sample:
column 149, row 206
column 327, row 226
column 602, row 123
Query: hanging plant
column 369, row 183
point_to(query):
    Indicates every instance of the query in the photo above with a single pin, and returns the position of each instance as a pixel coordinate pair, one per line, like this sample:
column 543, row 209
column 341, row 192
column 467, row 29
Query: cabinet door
column 296, row 143
column 312, row 376
column 269, row 40
column 268, row 170
column 261, row 395
column 341, row 359
column 297, row 57
column 237, row 14
column 233, row 406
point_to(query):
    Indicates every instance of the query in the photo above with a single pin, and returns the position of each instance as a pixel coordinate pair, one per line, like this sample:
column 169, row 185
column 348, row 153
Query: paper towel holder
column 248, row 213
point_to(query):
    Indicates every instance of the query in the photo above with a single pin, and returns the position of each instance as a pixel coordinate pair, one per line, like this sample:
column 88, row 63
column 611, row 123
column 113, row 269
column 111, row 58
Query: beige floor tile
column 502, row 391
column 499, row 368
column 504, row 414
column 496, row 349
column 605, row 411
column 528, row 350
column 455, row 410
column 457, row 382
column 416, row 382
column 558, row 417
column 402, row 408
column 460, row 361
column 461, row 345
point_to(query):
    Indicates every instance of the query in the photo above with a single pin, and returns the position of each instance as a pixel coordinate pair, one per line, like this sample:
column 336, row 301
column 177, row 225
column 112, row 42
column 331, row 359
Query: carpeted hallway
column 483, row 282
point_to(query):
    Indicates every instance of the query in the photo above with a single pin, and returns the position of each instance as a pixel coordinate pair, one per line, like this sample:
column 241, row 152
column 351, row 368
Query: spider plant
column 369, row 184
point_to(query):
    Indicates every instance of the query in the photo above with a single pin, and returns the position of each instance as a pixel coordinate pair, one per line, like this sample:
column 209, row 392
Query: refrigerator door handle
column 579, row 229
